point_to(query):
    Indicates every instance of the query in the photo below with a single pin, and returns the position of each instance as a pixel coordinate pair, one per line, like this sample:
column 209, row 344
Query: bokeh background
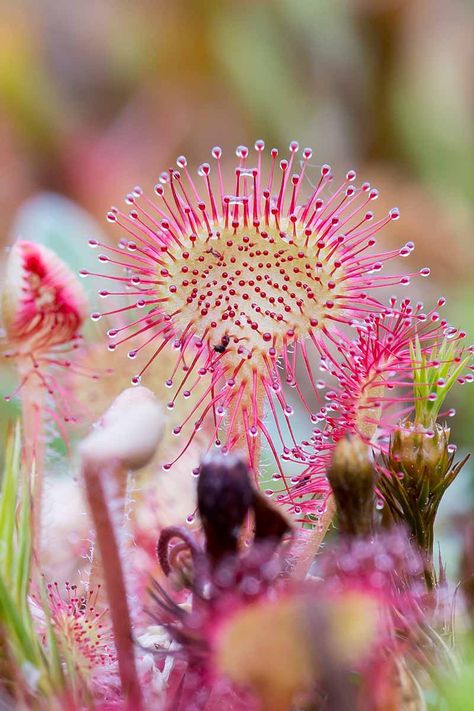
column 99, row 95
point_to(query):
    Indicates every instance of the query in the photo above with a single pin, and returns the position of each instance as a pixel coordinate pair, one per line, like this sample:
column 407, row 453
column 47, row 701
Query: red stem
column 114, row 581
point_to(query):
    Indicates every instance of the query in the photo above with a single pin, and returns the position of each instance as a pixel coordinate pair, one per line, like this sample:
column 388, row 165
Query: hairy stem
column 315, row 540
column 34, row 444
column 96, row 577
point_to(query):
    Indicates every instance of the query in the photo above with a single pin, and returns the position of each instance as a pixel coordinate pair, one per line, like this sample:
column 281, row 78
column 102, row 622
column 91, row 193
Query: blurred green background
column 97, row 96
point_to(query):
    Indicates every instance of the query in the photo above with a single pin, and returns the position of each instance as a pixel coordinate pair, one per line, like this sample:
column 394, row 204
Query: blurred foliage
column 23, row 659
column 456, row 692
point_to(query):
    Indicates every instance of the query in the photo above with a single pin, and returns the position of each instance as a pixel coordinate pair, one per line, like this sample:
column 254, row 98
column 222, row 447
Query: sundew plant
column 268, row 377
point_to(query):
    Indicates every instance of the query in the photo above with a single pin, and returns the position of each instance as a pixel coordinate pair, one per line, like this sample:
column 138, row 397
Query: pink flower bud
column 43, row 303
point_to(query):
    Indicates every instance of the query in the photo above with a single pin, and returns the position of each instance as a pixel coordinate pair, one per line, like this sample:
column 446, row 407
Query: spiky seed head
column 352, row 478
column 416, row 451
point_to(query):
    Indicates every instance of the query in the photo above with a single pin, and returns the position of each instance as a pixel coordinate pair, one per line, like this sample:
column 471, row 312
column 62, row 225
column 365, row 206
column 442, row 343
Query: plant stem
column 96, row 576
column 313, row 544
column 34, row 442
column 109, row 548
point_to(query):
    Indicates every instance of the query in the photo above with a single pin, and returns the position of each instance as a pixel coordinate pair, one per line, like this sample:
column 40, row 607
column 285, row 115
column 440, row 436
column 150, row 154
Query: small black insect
column 214, row 253
column 222, row 346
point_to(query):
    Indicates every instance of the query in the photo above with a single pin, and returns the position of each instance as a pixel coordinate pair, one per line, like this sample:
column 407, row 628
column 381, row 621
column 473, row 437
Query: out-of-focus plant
column 27, row 668
column 419, row 465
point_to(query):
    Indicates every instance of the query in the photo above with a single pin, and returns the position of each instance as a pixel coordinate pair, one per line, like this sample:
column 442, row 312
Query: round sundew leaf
column 238, row 280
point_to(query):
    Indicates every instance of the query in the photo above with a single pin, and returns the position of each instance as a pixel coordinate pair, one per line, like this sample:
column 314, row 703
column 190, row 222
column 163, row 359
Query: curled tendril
column 168, row 557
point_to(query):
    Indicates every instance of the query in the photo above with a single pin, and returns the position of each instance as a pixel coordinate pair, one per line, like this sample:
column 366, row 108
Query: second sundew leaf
column 434, row 376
